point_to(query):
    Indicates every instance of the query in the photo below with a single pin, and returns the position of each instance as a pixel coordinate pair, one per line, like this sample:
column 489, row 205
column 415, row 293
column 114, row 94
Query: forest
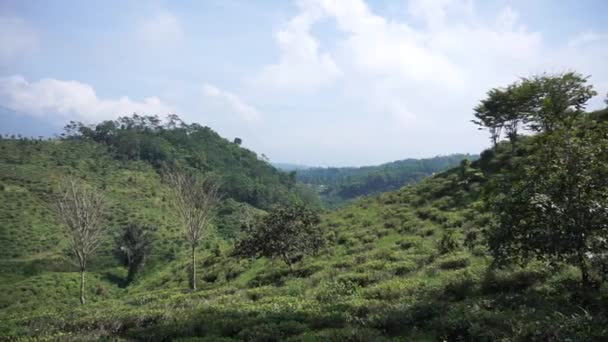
column 154, row 229
column 338, row 185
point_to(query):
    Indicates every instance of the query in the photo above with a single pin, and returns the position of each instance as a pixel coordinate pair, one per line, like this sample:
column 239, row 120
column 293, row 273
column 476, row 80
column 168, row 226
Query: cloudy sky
column 317, row 82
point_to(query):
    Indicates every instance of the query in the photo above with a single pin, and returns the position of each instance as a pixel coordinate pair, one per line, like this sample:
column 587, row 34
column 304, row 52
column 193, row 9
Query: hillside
column 337, row 185
column 388, row 271
column 511, row 246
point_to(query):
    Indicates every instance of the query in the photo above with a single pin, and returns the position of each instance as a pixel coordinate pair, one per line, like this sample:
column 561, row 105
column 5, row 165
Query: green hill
column 337, row 185
column 418, row 263
column 385, row 274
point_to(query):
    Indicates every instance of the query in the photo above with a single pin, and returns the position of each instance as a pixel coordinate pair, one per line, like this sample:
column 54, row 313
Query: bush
column 454, row 263
column 338, row 289
column 448, row 243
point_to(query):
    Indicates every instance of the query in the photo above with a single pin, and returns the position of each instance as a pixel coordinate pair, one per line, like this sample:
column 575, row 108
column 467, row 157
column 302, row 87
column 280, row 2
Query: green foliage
column 541, row 103
column 286, row 233
column 447, row 243
column 552, row 206
column 246, row 176
column 133, row 247
column 338, row 185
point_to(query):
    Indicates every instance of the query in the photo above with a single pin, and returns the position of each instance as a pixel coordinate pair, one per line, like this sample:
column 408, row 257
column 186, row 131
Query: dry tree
column 194, row 199
column 81, row 212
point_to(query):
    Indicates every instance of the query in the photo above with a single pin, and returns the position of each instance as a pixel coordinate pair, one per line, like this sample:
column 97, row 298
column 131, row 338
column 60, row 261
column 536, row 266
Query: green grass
column 381, row 276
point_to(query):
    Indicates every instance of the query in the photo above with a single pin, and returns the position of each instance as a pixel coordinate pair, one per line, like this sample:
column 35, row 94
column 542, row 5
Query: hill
column 288, row 167
column 511, row 246
column 388, row 273
column 337, row 185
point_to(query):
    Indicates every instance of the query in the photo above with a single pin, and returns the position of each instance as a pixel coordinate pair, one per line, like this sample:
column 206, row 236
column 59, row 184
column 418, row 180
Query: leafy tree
column 195, row 199
column 134, row 246
column 553, row 101
column 81, row 210
column 541, row 103
column 286, row 233
column 553, row 205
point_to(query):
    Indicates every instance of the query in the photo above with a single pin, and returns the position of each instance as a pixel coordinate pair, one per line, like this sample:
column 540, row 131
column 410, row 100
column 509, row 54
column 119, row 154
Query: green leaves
column 553, row 204
column 540, row 103
column 285, row 233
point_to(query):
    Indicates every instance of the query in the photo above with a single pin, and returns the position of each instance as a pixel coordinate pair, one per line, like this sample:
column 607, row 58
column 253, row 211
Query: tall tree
column 555, row 100
column 553, row 205
column 195, row 198
column 540, row 103
column 81, row 212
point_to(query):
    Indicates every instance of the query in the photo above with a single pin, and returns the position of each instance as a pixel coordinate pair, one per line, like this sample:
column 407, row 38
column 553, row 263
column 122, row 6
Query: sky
column 313, row 82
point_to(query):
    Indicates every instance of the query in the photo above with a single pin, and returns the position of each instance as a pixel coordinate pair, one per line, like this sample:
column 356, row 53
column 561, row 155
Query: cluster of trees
column 540, row 103
column 349, row 182
column 246, row 177
column 287, row 233
column 552, row 202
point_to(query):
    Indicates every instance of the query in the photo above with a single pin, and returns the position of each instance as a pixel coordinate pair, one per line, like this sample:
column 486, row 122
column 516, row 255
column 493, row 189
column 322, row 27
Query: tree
column 81, row 212
column 134, row 245
column 554, row 101
column 195, row 198
column 238, row 141
column 553, row 205
column 286, row 233
column 540, row 103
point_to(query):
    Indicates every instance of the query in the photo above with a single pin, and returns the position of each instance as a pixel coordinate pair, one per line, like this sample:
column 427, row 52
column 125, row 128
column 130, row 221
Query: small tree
column 285, row 233
column 134, row 245
column 553, row 205
column 195, row 199
column 80, row 210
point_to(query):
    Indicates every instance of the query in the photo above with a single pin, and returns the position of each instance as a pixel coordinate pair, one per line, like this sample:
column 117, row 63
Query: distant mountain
column 290, row 167
column 337, row 185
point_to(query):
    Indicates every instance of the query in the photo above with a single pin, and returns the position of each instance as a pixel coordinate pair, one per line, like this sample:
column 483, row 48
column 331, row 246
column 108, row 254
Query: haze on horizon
column 312, row 82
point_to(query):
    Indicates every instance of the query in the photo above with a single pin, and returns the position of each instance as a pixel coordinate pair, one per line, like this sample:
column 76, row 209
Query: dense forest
column 511, row 246
column 337, row 185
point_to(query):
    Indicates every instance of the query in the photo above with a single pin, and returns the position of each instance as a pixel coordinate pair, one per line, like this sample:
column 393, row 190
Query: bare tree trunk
column 82, row 299
column 193, row 268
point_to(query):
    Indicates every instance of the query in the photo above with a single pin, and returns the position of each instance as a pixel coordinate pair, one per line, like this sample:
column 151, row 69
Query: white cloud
column 69, row 99
column 160, row 29
column 301, row 66
column 17, row 38
column 416, row 74
column 231, row 103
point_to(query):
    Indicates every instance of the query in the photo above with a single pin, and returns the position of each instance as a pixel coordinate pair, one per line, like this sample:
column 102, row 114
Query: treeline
column 245, row 176
column 344, row 183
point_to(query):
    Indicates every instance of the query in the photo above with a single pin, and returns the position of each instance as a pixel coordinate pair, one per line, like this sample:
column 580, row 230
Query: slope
column 337, row 185
column 405, row 264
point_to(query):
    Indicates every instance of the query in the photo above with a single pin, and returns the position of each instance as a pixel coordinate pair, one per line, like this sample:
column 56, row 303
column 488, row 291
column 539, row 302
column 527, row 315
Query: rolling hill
column 407, row 263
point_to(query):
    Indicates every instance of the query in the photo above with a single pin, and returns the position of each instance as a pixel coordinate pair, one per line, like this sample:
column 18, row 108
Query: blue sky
column 316, row 82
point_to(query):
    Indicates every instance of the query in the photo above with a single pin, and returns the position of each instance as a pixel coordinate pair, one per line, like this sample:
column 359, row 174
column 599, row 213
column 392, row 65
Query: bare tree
column 195, row 198
column 81, row 212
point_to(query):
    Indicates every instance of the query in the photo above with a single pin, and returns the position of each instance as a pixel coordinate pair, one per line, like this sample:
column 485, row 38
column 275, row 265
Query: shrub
column 448, row 243
column 454, row 263
column 338, row 289
column 402, row 268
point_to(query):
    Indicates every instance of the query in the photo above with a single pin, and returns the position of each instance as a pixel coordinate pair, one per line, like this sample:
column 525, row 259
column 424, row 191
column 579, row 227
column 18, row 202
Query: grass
column 382, row 276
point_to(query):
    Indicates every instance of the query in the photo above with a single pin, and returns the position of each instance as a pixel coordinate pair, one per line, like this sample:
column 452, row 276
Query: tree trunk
column 193, row 279
column 82, row 299
column 584, row 271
